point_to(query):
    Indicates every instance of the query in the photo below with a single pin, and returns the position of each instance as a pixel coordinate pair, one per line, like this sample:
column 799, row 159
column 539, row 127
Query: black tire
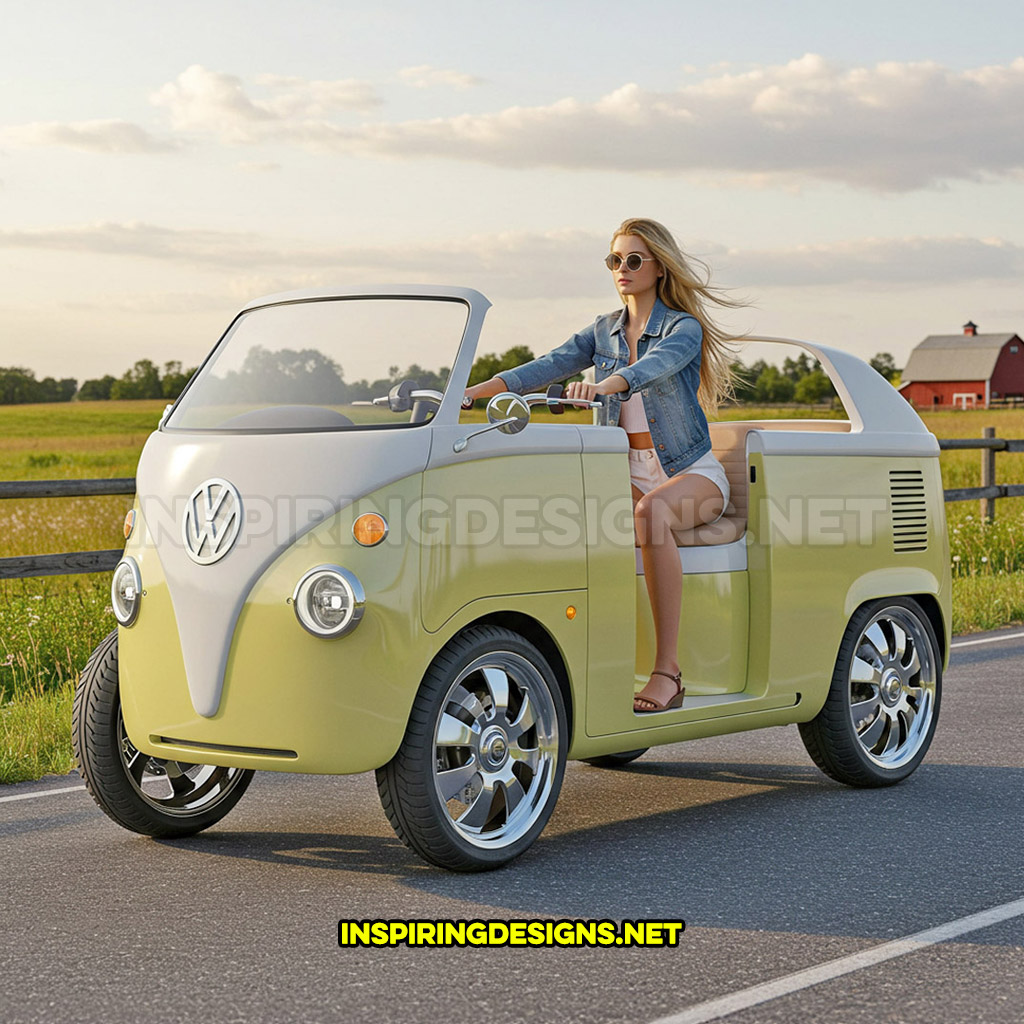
column 117, row 775
column 480, row 767
column 615, row 760
column 883, row 704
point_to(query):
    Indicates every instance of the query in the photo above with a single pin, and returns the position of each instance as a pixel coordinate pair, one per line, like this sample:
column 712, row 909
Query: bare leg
column 683, row 503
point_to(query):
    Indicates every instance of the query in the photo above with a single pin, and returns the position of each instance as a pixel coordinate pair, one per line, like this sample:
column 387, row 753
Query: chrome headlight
column 329, row 601
column 126, row 591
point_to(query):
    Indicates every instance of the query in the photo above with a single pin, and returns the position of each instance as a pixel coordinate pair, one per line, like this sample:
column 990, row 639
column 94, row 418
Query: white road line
column 987, row 640
column 715, row 1009
column 42, row 792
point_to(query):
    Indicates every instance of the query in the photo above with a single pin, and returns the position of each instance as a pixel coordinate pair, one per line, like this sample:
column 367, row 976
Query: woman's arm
column 665, row 357
column 571, row 357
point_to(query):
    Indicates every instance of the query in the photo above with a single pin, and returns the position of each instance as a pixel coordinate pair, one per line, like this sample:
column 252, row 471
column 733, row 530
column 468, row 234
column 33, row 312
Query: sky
column 854, row 173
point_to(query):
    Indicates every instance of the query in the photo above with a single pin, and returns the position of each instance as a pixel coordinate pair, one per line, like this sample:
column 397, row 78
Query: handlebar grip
column 555, row 391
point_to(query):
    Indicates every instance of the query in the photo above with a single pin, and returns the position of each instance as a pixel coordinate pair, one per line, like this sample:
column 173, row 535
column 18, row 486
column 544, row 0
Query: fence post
column 988, row 476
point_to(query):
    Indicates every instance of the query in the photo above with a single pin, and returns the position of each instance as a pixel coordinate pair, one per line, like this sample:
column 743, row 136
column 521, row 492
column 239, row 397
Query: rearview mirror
column 508, row 412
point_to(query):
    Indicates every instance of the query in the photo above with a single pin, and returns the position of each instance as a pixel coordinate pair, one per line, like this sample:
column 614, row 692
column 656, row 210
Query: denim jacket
column 666, row 373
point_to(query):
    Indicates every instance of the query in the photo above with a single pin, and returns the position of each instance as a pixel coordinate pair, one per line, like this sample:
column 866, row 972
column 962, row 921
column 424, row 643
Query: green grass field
column 49, row 625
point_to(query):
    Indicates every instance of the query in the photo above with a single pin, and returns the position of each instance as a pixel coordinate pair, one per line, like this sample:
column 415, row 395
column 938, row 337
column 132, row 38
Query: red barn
column 967, row 371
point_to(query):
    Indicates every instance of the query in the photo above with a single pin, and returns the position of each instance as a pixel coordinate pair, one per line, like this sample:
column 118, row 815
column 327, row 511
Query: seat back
column 729, row 446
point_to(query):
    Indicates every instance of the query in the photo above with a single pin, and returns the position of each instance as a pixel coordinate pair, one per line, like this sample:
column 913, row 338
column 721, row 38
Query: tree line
column 308, row 375
column 797, row 380
column 19, row 385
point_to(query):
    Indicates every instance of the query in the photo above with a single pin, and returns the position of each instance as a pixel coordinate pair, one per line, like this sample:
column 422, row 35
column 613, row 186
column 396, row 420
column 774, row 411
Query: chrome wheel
column 892, row 687
column 481, row 763
column 496, row 748
column 175, row 787
column 882, row 705
column 145, row 794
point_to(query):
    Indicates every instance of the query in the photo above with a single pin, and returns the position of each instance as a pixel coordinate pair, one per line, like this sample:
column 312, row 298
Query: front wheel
column 883, row 704
column 150, row 795
column 479, row 769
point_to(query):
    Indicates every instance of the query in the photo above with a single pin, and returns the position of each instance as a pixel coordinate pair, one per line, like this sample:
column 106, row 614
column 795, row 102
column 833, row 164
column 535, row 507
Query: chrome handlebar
column 537, row 398
column 419, row 395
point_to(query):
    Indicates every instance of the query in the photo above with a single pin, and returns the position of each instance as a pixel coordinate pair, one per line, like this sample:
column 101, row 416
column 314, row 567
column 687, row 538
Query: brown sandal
column 673, row 702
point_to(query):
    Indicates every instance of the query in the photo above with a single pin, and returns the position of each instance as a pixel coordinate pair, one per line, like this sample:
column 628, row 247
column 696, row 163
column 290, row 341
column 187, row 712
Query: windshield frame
column 476, row 307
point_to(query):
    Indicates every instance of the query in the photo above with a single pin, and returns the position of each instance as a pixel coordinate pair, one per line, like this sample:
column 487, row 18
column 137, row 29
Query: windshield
column 327, row 364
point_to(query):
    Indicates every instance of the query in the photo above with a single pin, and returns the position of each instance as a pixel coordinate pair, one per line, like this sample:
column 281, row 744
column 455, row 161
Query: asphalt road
column 774, row 868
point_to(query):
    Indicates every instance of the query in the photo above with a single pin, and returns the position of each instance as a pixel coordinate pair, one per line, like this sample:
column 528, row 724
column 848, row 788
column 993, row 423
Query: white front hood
column 287, row 483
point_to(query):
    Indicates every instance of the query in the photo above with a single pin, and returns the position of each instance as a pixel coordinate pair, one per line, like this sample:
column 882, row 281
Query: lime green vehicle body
column 763, row 616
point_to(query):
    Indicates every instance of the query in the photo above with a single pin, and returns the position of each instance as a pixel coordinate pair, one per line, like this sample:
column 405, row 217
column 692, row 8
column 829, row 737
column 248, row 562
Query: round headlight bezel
column 354, row 591
column 129, row 565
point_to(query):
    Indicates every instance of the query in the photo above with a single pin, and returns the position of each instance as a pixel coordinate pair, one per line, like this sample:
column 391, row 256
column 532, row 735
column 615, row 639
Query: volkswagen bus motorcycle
column 333, row 567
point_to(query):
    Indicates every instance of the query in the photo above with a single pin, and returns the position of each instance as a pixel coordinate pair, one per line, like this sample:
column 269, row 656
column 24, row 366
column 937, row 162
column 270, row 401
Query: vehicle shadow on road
column 725, row 845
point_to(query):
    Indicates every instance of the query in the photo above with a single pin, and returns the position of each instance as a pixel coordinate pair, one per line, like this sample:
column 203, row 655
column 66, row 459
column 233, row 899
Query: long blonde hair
column 682, row 288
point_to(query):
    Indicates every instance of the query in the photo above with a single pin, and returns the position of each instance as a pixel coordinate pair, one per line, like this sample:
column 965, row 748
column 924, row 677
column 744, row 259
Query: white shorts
column 646, row 472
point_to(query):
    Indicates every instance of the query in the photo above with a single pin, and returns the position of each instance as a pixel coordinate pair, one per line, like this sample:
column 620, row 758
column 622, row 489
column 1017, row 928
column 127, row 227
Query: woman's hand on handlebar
column 591, row 392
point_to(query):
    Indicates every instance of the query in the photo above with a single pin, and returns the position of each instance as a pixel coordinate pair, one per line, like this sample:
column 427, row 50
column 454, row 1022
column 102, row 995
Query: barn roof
column 954, row 357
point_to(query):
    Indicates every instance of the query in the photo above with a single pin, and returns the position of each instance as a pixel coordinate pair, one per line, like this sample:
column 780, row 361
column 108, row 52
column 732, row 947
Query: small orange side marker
column 570, row 612
column 129, row 523
column 370, row 529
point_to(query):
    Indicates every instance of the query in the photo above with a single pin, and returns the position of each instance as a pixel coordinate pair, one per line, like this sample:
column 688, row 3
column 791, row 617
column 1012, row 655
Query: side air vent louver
column 908, row 510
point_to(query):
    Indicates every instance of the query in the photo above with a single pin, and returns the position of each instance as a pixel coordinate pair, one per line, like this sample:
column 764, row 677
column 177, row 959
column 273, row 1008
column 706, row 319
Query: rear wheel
column 479, row 769
column 883, row 704
column 150, row 795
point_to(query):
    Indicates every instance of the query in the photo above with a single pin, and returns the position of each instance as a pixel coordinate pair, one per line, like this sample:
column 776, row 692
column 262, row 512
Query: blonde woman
column 660, row 362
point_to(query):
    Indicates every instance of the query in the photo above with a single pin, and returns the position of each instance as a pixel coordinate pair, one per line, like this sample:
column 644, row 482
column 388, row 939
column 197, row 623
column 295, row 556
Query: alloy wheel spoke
column 452, row 781
column 875, row 636
column 201, row 788
column 871, row 735
column 863, row 671
column 497, row 683
column 136, row 763
column 513, row 792
column 525, row 720
column 862, row 710
column 913, row 665
column 529, row 756
column 470, row 703
column 894, row 737
column 906, row 714
column 916, row 696
column 453, row 732
column 899, row 640
column 480, row 810
column 181, row 784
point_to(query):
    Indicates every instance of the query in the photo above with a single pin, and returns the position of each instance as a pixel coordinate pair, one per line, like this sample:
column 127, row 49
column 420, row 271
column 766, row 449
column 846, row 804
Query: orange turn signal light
column 570, row 612
column 369, row 529
column 129, row 523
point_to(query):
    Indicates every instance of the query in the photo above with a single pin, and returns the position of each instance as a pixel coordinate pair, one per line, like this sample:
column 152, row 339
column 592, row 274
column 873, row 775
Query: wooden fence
column 989, row 491
column 73, row 561
column 103, row 561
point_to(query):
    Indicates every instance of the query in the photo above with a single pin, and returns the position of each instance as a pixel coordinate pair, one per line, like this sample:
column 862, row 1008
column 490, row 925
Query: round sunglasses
column 633, row 261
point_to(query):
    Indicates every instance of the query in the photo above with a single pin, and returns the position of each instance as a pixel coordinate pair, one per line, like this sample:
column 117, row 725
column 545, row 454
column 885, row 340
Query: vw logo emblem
column 213, row 517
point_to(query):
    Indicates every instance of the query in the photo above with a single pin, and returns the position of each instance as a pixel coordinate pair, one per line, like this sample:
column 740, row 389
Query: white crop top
column 633, row 415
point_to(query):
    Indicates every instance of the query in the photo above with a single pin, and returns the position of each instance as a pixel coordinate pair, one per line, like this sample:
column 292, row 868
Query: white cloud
column 894, row 126
column 890, row 127
column 424, row 76
column 896, row 261
column 137, row 239
column 93, row 136
column 200, row 100
column 533, row 264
